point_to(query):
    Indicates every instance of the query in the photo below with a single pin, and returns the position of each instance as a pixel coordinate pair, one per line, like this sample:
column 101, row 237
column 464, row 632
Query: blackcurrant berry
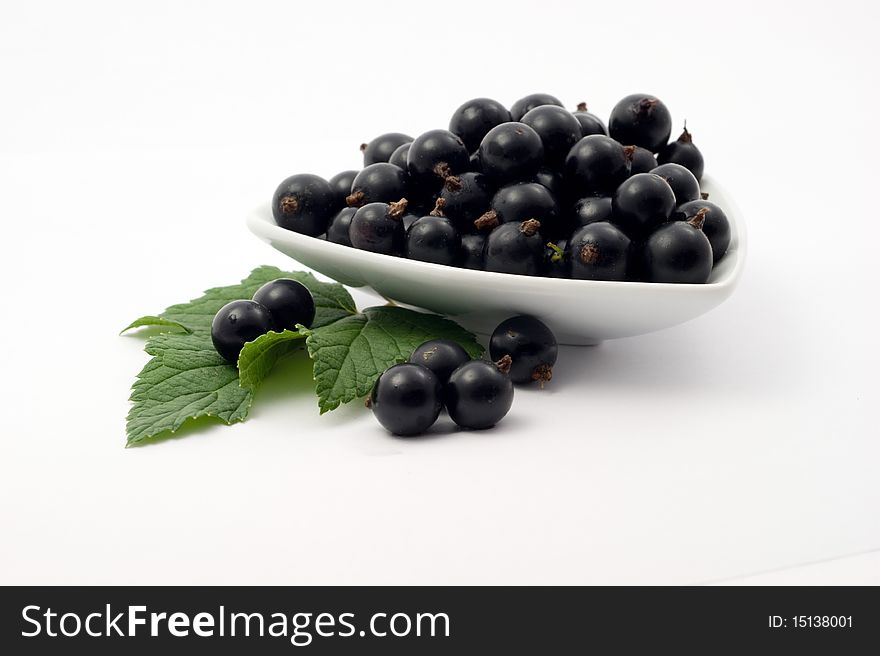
column 595, row 166
column 599, row 251
column 640, row 160
column 442, row 356
column 466, row 197
column 341, row 186
column 556, row 263
column 521, row 201
column 641, row 120
column 478, row 395
column 434, row 156
column 398, row 157
column 679, row 252
column 558, row 129
column 716, row 227
column 378, row 227
column 524, row 105
column 684, row 184
column 642, row 203
column 683, row 151
column 472, row 120
column 288, row 301
column 511, row 152
column 531, row 346
column 380, row 148
column 472, row 247
column 474, row 163
column 433, row 238
column 406, row 399
column 237, row 323
column 590, row 123
column 304, row 203
column 591, row 209
column 337, row 231
column 377, row 183
column 514, row 248
column 552, row 180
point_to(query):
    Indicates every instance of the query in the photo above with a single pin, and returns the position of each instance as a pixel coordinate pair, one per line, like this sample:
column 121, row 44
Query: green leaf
column 332, row 301
column 185, row 379
column 150, row 320
column 350, row 354
column 259, row 356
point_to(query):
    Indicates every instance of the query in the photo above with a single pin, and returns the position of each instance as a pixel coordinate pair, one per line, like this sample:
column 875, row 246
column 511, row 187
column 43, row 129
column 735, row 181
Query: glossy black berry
column 679, row 252
column 466, row 197
column 552, row 180
column 684, row 184
column 378, row 227
column 434, row 156
column 515, row 248
column 522, row 201
column 304, row 203
column 473, row 119
column 590, row 123
column 591, row 210
column 524, row 105
column 683, row 151
column 558, row 129
column 716, row 227
column 556, row 263
column 289, row 302
column 478, row 395
column 237, row 323
column 641, row 120
column 377, row 183
column 398, row 157
column 511, row 152
column 407, row 399
column 472, row 247
column 599, row 251
column 640, row 160
column 433, row 238
column 595, row 166
column 381, row 148
column 337, row 231
column 642, row 203
column 531, row 346
column 341, row 186
column 442, row 356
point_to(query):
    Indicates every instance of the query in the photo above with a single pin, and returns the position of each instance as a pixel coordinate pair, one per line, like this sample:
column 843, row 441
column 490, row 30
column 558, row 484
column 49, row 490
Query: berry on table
column 473, row 119
column 381, row 148
column 479, row 394
column 304, row 203
column 377, row 183
column 288, row 301
column 514, row 248
column 595, row 166
column 378, row 227
column 406, row 399
column 684, row 184
column 679, row 252
column 716, row 227
column 524, row 105
column 590, row 123
column 683, row 151
column 237, row 323
column 511, row 152
column 641, row 120
column 642, row 203
column 530, row 345
column 599, row 251
column 442, row 356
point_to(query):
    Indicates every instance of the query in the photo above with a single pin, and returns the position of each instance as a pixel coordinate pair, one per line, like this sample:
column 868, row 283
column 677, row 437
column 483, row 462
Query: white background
column 135, row 137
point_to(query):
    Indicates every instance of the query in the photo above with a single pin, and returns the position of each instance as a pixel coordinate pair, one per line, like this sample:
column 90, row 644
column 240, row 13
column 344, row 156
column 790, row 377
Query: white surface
column 132, row 143
column 580, row 312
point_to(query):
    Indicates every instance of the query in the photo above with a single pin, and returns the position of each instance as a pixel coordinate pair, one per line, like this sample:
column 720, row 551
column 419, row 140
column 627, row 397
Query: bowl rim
column 262, row 224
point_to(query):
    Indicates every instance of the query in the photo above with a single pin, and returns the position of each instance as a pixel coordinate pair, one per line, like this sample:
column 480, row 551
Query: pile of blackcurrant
column 531, row 190
column 278, row 305
column 407, row 398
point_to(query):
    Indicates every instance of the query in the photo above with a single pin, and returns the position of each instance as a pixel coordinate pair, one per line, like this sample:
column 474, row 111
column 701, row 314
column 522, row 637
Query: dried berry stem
column 504, row 364
column 543, row 373
column 487, row 221
column 289, row 205
column 356, row 199
column 396, row 210
column 530, row 227
column 582, row 107
column 698, row 219
column 452, row 183
column 438, row 207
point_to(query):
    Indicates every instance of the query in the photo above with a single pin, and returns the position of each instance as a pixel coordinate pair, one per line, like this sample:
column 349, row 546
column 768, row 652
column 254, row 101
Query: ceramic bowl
column 578, row 311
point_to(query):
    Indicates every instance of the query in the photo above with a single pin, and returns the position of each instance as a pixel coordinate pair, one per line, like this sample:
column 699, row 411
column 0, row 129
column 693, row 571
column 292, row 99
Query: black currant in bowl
column 679, row 252
column 595, row 166
column 640, row 160
column 237, row 323
column 289, row 302
column 641, row 120
column 590, row 210
column 434, row 156
column 478, row 394
column 472, row 247
column 341, row 186
column 378, row 227
column 337, row 231
column 599, row 251
column 683, row 151
column 522, row 201
column 381, row 148
column 590, row 123
column 465, row 198
column 530, row 345
column 514, row 248
column 684, row 184
column 524, row 105
column 642, row 203
column 473, row 119
column 377, row 183
column 433, row 238
column 511, row 152
column 716, row 226
column 398, row 157
column 558, row 129
column 304, row 203
column 406, row 399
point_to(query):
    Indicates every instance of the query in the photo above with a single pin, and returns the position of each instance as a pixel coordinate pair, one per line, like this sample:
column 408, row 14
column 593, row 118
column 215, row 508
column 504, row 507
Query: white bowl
column 578, row 311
